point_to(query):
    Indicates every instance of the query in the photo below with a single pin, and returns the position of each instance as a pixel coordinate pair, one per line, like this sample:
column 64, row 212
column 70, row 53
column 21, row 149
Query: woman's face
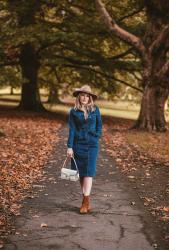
column 84, row 98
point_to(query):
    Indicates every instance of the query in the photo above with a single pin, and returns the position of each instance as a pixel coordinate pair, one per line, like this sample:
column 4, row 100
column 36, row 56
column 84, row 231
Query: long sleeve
column 98, row 123
column 71, row 130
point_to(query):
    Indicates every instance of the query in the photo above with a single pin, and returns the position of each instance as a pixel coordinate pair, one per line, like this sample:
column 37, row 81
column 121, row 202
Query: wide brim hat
column 84, row 89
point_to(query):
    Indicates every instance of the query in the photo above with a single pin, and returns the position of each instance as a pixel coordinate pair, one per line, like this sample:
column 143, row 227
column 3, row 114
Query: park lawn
column 117, row 108
column 155, row 144
column 27, row 139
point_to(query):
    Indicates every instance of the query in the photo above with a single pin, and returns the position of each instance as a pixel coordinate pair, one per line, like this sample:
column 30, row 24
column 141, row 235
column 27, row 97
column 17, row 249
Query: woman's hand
column 70, row 152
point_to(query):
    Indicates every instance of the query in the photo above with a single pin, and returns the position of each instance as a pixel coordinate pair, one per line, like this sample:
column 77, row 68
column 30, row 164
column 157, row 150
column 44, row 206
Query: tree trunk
column 162, row 96
column 155, row 87
column 151, row 116
column 11, row 92
column 29, row 62
column 53, row 96
column 153, row 54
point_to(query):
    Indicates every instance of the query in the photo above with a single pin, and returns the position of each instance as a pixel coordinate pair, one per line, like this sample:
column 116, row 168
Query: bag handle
column 74, row 162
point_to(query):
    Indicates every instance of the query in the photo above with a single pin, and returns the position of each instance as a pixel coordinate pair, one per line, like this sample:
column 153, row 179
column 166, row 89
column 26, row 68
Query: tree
column 50, row 38
column 28, row 58
column 91, row 55
column 87, row 51
column 152, row 50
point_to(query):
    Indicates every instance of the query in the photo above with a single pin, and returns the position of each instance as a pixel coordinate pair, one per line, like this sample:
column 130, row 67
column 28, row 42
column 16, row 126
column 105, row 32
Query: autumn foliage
column 27, row 142
column 143, row 158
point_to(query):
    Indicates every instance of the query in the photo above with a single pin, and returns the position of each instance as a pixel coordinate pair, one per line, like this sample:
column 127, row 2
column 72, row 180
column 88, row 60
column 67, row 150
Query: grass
column 120, row 109
column 155, row 144
column 126, row 111
column 130, row 114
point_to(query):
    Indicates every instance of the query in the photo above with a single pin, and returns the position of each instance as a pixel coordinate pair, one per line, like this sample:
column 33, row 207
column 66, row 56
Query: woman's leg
column 81, row 183
column 87, row 185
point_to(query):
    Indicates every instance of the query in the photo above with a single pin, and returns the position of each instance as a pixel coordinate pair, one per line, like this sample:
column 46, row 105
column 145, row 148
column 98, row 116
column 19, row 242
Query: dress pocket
column 80, row 135
column 93, row 133
column 93, row 138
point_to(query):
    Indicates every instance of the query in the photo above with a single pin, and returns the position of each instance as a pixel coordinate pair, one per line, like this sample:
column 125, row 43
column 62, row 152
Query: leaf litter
column 27, row 141
column 143, row 158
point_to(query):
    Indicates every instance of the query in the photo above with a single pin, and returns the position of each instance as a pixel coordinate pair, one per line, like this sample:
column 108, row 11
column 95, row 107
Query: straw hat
column 84, row 89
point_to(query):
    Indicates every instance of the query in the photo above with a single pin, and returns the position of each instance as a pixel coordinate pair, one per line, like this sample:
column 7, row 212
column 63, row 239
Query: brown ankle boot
column 85, row 207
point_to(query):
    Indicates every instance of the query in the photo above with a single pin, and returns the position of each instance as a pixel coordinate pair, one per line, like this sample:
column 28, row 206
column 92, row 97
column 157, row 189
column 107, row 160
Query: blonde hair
column 89, row 107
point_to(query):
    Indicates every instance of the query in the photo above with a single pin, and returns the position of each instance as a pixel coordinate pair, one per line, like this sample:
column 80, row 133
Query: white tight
column 86, row 185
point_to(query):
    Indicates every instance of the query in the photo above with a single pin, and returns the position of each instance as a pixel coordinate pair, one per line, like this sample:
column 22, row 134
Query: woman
column 85, row 129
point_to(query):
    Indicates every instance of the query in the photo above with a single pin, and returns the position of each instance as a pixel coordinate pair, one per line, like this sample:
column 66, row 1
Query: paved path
column 113, row 224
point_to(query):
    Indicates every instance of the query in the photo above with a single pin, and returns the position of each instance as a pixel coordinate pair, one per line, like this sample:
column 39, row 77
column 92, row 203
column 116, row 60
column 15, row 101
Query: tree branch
column 121, row 55
column 127, row 37
column 56, row 75
column 138, row 78
column 9, row 63
column 99, row 59
column 86, row 10
column 164, row 34
column 76, row 61
column 131, row 14
column 163, row 71
column 103, row 74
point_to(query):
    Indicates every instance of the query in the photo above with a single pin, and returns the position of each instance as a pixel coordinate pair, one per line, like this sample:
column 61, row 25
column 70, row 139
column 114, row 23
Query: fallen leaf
column 43, row 225
column 1, row 244
column 166, row 209
column 29, row 140
column 165, row 218
column 105, row 195
column 35, row 216
column 131, row 176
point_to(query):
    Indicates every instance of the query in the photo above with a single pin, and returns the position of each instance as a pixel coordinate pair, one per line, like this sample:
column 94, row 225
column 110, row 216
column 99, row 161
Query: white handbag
column 69, row 174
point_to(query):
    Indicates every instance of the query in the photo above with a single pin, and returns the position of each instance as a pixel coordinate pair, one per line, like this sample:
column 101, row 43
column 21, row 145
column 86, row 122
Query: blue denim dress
column 84, row 135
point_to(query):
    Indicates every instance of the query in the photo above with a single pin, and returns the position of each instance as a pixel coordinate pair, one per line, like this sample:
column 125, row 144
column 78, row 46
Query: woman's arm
column 98, row 123
column 71, row 130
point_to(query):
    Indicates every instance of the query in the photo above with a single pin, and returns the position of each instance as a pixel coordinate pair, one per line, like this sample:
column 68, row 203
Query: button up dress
column 84, row 135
